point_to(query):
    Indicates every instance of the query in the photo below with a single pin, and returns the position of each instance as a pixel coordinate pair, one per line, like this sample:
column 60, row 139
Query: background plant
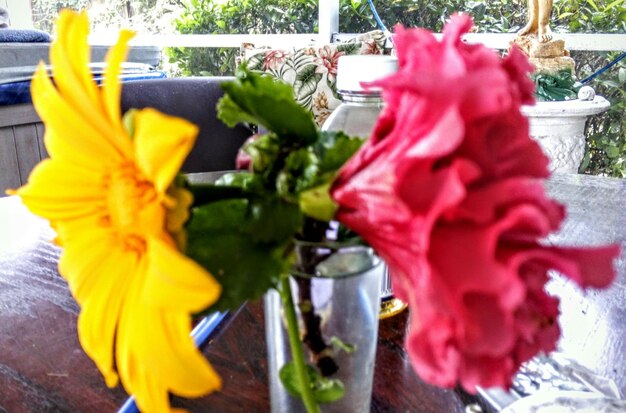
column 236, row 17
column 606, row 133
column 105, row 16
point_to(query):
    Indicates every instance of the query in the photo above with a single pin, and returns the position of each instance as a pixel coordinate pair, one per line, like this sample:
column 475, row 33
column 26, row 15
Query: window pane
column 107, row 16
column 187, row 17
column 198, row 17
column 201, row 61
column 249, row 16
column 490, row 16
column 356, row 16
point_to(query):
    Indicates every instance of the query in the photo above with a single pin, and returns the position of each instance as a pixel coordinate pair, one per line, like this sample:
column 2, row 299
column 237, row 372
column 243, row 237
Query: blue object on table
column 19, row 92
column 14, row 93
column 201, row 333
column 23, row 36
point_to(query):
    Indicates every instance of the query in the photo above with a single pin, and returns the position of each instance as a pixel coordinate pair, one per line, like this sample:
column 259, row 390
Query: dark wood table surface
column 43, row 369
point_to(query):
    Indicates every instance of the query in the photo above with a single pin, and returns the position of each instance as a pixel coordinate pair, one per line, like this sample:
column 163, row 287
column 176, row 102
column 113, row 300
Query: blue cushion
column 23, row 36
column 19, row 92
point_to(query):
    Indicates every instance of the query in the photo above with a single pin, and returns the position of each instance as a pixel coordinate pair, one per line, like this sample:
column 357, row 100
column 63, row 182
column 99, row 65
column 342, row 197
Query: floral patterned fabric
column 312, row 70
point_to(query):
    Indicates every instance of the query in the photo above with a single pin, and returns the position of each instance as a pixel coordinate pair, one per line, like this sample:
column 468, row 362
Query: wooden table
column 43, row 369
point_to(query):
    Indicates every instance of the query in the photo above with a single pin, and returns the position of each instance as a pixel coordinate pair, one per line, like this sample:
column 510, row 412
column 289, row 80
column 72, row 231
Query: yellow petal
column 177, row 282
column 69, row 135
column 189, row 373
column 69, row 56
column 162, row 143
column 60, row 190
column 156, row 356
column 155, row 353
column 111, row 89
column 149, row 393
column 97, row 273
column 74, row 84
column 86, row 247
column 136, row 291
column 178, row 214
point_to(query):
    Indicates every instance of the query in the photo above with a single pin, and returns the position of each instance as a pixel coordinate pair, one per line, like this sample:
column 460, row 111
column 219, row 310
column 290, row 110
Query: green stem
column 296, row 348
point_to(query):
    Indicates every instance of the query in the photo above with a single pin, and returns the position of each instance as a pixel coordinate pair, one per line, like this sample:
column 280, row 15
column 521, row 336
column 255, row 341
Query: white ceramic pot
column 559, row 127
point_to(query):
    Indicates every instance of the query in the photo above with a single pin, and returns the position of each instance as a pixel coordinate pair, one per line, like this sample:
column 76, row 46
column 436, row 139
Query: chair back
column 193, row 99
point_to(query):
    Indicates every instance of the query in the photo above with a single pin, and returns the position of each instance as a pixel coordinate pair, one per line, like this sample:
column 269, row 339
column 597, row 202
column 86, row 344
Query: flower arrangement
column 447, row 190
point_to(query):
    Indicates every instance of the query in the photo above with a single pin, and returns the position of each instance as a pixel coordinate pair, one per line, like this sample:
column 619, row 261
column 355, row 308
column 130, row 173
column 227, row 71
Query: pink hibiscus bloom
column 448, row 191
column 273, row 59
column 327, row 60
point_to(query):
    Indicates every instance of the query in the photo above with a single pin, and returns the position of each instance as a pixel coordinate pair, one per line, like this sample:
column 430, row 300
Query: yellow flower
column 117, row 216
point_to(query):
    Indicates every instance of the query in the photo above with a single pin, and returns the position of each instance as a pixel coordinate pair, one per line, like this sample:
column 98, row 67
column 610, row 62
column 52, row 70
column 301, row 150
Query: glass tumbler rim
column 334, row 246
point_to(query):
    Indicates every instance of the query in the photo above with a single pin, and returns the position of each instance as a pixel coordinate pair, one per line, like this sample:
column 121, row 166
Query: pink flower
column 448, row 191
column 370, row 47
column 327, row 61
column 273, row 58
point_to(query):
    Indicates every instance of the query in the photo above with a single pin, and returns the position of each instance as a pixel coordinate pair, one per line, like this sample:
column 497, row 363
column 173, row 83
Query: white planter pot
column 559, row 127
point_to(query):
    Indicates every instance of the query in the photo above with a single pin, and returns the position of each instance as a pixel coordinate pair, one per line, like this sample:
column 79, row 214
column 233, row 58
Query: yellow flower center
column 133, row 207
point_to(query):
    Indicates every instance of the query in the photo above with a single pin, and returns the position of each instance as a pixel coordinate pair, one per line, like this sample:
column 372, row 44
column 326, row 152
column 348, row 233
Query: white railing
column 329, row 28
column 573, row 41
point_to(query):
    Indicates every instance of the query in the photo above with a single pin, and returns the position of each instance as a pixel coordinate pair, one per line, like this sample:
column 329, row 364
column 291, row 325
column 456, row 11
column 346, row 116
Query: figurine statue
column 539, row 12
column 546, row 53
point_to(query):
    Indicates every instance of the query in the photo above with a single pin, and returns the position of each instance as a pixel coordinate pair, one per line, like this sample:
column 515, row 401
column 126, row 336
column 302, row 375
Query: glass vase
column 336, row 292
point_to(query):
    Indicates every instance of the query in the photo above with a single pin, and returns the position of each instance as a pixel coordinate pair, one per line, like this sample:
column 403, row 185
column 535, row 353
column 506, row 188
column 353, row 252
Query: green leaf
column 299, row 173
column 231, row 114
column 335, row 148
column 219, row 239
column 612, row 151
column 267, row 102
column 337, row 343
column 348, row 48
column 324, row 390
column 317, row 203
column 245, row 180
column 597, row 17
column 306, row 82
column 256, row 62
column 355, row 3
column 593, row 4
column 610, row 83
column 263, row 151
column 274, row 220
column 331, row 82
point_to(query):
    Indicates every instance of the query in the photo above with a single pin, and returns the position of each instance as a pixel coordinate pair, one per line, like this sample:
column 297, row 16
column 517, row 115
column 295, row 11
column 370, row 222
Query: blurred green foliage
column 606, row 133
column 148, row 16
column 236, row 17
